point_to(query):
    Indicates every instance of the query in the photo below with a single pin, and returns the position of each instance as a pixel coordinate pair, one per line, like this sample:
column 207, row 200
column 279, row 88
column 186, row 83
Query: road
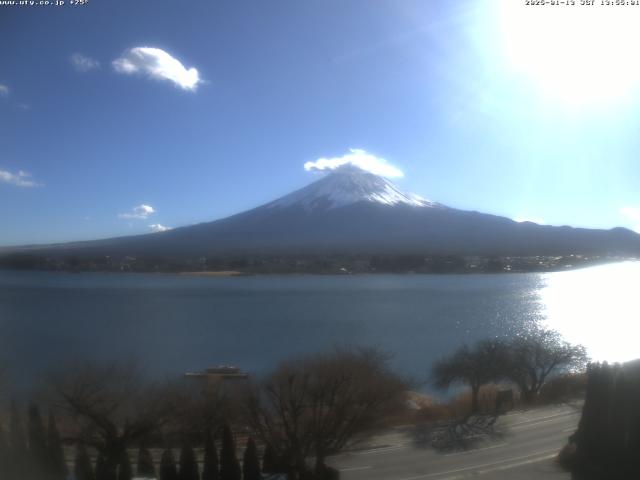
column 525, row 450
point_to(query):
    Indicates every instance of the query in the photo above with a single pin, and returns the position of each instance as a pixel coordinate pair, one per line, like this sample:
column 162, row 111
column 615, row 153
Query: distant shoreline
column 237, row 273
column 220, row 273
column 314, row 265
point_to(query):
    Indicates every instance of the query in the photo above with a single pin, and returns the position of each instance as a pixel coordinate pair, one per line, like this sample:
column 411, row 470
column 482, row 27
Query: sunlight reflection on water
column 596, row 307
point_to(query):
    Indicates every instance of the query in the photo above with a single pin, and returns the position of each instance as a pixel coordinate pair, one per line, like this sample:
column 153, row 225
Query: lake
column 174, row 323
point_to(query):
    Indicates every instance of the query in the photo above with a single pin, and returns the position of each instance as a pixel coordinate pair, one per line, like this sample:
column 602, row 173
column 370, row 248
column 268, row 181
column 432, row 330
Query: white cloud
column 359, row 158
column 633, row 214
column 83, row 63
column 139, row 212
column 156, row 227
column 157, row 64
column 4, row 90
column 20, row 179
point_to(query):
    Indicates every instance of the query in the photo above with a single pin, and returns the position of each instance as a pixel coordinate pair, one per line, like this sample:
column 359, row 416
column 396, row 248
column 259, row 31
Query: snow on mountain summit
column 347, row 185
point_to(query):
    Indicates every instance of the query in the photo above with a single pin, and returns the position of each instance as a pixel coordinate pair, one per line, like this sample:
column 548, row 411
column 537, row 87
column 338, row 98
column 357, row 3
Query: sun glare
column 581, row 54
column 596, row 307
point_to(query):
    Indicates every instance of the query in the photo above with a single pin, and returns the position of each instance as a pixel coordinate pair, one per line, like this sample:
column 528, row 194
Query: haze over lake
column 172, row 324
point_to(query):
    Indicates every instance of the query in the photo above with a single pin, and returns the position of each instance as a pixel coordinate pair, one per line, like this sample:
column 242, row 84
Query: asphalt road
column 525, row 450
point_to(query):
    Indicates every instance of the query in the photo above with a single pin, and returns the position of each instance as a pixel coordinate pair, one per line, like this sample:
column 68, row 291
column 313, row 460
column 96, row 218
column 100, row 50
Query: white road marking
column 376, row 451
column 477, row 473
column 543, row 419
column 518, row 464
column 476, row 450
column 529, row 425
column 493, row 466
column 353, row 469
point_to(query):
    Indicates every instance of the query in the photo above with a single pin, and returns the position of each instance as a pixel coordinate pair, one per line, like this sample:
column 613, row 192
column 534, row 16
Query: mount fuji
column 352, row 211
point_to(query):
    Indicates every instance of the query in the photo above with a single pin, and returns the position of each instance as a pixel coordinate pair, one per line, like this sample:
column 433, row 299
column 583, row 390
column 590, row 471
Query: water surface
column 173, row 324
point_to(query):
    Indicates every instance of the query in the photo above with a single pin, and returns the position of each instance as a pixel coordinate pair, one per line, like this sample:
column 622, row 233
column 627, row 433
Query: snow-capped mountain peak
column 347, row 185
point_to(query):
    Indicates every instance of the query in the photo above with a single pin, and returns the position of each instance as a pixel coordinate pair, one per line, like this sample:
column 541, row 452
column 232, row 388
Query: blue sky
column 481, row 104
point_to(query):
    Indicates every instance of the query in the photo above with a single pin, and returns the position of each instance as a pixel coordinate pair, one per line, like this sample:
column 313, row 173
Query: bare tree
column 474, row 367
column 317, row 405
column 539, row 354
column 112, row 406
column 204, row 407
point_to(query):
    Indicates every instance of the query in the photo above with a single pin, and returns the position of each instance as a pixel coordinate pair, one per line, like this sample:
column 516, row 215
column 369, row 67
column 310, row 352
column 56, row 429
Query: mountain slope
column 351, row 211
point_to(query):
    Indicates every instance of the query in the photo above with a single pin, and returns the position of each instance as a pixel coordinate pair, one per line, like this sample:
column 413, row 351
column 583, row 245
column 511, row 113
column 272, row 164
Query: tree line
column 186, row 467
column 33, row 453
column 528, row 360
column 298, row 415
column 36, row 453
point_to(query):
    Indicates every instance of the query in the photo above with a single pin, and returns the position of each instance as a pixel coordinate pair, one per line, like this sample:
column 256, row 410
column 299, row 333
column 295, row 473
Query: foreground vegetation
column 301, row 413
column 112, row 423
column 528, row 361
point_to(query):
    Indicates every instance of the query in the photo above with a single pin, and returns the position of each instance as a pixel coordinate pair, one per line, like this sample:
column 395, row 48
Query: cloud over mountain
column 359, row 158
column 156, row 227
